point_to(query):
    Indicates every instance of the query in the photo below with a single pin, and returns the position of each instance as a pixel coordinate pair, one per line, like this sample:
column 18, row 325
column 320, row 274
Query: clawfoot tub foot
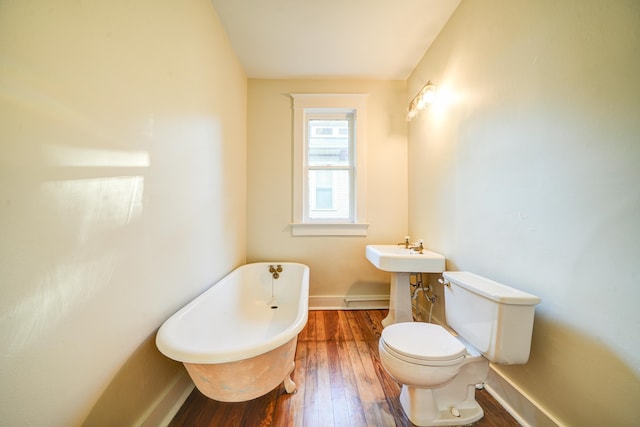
column 289, row 385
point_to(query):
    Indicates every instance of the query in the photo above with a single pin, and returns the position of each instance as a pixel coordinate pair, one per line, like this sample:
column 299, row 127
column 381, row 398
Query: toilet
column 439, row 367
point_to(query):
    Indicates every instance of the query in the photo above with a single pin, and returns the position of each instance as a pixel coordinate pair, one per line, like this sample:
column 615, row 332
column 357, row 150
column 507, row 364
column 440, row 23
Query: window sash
column 341, row 188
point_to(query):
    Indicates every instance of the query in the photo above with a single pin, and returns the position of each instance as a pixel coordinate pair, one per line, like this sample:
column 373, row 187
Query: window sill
column 328, row 229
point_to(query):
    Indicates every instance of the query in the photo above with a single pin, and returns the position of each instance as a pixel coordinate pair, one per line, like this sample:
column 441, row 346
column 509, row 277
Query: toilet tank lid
column 490, row 289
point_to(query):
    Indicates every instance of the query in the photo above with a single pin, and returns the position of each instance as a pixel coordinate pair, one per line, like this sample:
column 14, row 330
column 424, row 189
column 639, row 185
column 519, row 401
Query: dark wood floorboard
column 340, row 379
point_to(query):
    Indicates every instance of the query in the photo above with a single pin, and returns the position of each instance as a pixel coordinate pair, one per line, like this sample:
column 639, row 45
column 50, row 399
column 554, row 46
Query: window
column 329, row 165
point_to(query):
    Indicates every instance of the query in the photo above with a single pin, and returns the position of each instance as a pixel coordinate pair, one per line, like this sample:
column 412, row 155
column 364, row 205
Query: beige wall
column 338, row 265
column 122, row 196
column 529, row 174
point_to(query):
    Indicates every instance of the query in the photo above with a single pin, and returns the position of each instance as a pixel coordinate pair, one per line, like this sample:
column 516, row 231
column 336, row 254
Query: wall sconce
column 426, row 96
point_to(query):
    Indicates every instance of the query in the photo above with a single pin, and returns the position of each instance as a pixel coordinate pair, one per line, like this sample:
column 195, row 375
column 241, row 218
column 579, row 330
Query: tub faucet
column 275, row 270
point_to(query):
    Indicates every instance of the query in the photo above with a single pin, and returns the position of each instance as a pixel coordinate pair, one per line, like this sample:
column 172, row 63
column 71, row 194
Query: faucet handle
column 444, row 281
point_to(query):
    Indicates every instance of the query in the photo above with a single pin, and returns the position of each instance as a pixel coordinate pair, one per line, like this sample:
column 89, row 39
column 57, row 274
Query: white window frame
column 313, row 104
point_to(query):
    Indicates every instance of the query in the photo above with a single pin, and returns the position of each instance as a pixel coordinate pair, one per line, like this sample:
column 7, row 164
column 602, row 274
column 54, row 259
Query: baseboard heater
column 349, row 300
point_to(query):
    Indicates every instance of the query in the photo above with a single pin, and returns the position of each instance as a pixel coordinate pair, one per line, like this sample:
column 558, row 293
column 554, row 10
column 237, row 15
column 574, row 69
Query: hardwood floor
column 340, row 383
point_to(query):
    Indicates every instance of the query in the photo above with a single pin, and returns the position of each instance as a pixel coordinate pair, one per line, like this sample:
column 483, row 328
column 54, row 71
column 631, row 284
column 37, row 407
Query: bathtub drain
column 273, row 307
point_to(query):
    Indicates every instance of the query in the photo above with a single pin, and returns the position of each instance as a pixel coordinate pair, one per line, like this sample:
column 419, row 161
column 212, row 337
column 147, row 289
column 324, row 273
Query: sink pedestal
column 399, row 300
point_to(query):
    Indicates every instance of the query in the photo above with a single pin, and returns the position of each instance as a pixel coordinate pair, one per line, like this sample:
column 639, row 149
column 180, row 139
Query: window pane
column 324, row 198
column 329, row 194
column 328, row 142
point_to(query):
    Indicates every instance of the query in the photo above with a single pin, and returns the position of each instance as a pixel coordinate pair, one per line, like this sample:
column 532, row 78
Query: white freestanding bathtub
column 238, row 339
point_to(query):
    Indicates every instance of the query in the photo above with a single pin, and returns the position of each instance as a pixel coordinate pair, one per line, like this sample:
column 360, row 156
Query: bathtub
column 237, row 340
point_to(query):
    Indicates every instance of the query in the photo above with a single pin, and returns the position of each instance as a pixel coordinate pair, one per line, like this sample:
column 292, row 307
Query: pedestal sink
column 401, row 262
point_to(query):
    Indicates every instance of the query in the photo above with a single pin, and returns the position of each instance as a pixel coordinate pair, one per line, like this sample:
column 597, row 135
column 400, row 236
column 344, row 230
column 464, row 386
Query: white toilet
column 439, row 371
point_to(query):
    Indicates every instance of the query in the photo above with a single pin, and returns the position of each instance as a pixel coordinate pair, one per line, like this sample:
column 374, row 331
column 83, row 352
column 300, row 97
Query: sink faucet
column 406, row 242
column 419, row 248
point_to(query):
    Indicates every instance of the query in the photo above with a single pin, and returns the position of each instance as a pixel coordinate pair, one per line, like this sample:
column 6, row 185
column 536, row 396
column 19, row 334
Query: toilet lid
column 424, row 341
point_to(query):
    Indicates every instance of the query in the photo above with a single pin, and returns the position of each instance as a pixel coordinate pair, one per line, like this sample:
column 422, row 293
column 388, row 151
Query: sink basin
column 395, row 258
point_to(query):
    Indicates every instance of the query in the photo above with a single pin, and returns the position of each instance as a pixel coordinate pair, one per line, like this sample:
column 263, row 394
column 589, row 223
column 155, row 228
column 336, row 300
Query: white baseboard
column 526, row 411
column 168, row 403
column 350, row 302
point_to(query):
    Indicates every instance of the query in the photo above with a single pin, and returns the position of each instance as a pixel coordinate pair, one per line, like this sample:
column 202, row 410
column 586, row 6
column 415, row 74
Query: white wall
column 122, row 196
column 529, row 173
column 338, row 264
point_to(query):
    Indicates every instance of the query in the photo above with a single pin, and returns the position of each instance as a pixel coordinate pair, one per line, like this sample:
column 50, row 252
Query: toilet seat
column 423, row 344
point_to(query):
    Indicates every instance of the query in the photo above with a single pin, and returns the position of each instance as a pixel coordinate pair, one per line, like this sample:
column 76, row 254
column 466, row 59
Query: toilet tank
column 494, row 318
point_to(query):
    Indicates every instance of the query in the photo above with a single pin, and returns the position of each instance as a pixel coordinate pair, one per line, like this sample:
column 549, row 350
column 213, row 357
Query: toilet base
column 435, row 407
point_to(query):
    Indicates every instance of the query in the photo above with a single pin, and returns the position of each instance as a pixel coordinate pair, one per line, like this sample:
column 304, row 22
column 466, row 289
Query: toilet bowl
column 439, row 371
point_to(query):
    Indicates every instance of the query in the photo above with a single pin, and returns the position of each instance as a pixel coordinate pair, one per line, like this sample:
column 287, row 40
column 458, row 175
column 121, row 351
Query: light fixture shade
column 429, row 93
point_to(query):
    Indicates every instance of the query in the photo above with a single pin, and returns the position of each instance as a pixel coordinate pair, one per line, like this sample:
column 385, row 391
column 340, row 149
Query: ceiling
column 371, row 39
